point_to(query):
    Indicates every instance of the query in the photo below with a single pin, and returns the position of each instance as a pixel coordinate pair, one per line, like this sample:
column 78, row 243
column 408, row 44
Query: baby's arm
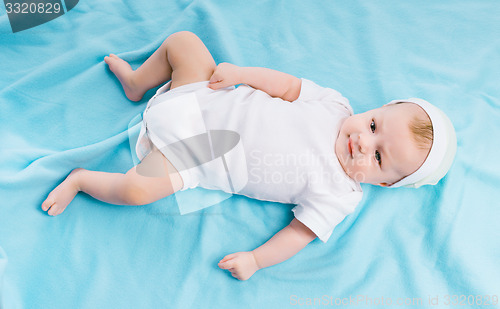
column 274, row 83
column 282, row 246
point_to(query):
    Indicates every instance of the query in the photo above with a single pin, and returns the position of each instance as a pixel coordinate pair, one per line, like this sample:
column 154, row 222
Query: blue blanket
column 61, row 108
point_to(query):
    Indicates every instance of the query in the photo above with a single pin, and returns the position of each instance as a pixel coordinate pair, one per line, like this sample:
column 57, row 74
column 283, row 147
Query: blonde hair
column 421, row 129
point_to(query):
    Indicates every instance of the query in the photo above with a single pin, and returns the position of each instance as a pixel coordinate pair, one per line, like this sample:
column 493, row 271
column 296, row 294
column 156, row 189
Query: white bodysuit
column 243, row 141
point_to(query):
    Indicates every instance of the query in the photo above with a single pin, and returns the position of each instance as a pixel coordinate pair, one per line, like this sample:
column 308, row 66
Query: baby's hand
column 225, row 75
column 242, row 265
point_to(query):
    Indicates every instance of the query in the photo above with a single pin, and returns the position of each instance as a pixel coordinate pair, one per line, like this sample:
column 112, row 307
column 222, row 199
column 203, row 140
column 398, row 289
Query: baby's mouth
column 349, row 146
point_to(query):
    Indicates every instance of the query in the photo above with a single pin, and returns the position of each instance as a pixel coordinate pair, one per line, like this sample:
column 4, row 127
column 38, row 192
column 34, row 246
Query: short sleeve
column 310, row 92
column 321, row 213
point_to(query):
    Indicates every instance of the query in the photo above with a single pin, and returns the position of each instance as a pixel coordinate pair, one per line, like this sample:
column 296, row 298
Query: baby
column 275, row 137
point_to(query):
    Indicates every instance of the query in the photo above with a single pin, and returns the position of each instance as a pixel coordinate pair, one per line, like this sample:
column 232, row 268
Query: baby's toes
column 47, row 203
column 54, row 210
column 111, row 58
column 108, row 59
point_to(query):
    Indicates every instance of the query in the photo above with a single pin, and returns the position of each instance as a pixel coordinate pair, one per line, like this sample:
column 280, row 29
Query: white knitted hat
column 443, row 149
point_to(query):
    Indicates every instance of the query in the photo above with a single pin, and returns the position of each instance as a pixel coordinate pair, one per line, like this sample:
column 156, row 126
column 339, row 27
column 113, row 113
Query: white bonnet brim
column 442, row 152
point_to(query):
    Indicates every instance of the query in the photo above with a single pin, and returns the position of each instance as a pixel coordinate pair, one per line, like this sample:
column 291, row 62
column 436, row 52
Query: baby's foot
column 124, row 72
column 62, row 195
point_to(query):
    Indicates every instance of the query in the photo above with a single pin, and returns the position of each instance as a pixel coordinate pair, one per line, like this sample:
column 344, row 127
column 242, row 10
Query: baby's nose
column 363, row 144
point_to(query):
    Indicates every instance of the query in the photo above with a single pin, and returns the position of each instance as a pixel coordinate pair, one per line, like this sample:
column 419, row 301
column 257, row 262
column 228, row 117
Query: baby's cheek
column 362, row 172
column 354, row 171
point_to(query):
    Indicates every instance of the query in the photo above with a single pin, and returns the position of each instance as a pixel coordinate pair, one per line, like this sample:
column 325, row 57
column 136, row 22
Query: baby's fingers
column 217, row 84
column 228, row 257
column 226, row 265
column 227, row 262
column 214, row 85
column 216, row 77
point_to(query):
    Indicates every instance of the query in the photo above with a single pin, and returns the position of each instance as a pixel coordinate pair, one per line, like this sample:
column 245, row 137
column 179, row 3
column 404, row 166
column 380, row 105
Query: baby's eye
column 372, row 126
column 378, row 157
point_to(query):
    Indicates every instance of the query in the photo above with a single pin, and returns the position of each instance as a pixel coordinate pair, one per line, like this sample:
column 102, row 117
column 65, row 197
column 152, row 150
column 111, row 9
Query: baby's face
column 377, row 146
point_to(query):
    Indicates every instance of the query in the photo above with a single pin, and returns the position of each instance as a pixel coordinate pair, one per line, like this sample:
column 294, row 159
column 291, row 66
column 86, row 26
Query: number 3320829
column 472, row 300
column 33, row 8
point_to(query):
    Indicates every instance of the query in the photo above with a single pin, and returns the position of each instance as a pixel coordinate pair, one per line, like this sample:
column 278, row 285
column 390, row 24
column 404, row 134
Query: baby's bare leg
column 139, row 186
column 182, row 57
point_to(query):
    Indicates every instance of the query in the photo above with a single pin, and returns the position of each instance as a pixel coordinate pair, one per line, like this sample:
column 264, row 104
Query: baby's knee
column 183, row 35
column 140, row 189
column 135, row 195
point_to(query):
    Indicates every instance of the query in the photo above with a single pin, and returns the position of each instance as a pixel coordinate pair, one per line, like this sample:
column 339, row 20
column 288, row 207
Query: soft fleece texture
column 61, row 108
